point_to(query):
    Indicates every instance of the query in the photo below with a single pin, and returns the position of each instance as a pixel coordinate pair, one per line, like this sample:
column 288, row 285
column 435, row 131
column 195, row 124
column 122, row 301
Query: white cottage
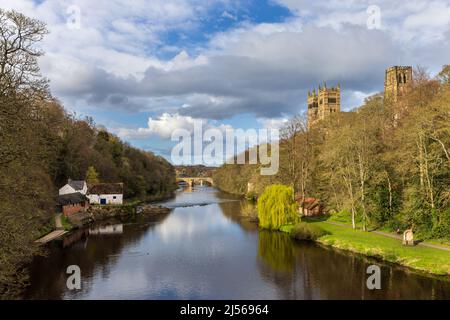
column 74, row 186
column 106, row 193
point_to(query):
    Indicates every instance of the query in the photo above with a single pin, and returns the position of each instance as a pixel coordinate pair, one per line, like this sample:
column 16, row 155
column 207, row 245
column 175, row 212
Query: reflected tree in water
column 275, row 250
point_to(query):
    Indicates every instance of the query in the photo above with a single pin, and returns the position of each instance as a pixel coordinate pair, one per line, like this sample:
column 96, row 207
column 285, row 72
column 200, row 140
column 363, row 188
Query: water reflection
column 276, row 251
column 110, row 229
column 306, row 271
column 95, row 254
column 206, row 249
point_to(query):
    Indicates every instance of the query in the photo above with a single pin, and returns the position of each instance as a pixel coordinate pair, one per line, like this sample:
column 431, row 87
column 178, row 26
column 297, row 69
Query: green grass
column 307, row 231
column 45, row 229
column 66, row 224
column 287, row 228
column 345, row 217
column 441, row 242
column 343, row 237
column 421, row 258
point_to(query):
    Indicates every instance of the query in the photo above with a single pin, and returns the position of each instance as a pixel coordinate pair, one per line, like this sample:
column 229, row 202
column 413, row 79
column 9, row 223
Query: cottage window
column 114, row 197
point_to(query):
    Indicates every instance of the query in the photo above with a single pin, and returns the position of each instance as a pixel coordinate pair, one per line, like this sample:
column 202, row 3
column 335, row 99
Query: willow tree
column 277, row 207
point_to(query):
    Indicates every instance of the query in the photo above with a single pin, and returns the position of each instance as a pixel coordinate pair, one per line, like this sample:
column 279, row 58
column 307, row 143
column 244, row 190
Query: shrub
column 441, row 225
column 277, row 207
column 249, row 211
column 307, row 231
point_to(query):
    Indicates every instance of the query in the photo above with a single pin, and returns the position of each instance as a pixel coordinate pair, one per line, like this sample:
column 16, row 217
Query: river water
column 205, row 249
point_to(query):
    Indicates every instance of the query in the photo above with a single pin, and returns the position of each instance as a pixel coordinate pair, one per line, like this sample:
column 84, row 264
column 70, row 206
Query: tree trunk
column 390, row 193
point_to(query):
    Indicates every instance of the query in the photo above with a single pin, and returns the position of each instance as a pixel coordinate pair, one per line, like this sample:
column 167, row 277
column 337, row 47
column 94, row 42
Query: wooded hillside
column 42, row 145
column 387, row 165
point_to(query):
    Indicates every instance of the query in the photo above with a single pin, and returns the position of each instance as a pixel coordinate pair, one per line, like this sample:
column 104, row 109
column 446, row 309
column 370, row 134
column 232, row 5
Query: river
column 205, row 249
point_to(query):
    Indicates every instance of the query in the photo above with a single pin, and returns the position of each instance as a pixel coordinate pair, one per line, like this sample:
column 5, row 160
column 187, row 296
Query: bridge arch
column 191, row 181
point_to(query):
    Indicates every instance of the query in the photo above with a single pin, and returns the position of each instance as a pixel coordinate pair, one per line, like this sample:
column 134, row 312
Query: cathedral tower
column 396, row 82
column 323, row 103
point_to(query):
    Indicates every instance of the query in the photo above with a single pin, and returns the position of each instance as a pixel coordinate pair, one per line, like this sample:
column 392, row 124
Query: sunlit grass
column 421, row 258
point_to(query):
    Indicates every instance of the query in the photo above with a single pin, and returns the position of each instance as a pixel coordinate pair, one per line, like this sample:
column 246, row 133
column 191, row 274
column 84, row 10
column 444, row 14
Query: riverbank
column 129, row 209
column 181, row 250
column 123, row 212
column 425, row 259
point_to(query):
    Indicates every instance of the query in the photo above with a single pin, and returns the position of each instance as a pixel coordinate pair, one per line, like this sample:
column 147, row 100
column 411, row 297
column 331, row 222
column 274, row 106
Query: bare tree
column 290, row 135
column 19, row 69
column 21, row 84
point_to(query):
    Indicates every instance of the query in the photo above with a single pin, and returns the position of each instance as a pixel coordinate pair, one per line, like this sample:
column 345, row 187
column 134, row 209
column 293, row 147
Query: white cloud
column 167, row 123
column 162, row 126
column 264, row 69
column 228, row 15
column 420, row 21
column 272, row 123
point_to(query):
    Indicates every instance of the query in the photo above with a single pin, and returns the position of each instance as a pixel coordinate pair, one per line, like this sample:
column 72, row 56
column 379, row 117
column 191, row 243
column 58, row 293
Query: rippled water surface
column 205, row 249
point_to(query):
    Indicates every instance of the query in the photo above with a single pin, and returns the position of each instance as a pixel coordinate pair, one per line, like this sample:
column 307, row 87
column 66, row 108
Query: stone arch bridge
column 191, row 181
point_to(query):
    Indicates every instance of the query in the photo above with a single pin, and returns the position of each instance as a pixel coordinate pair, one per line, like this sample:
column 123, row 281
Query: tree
column 297, row 156
column 388, row 164
column 25, row 187
column 277, row 207
column 92, row 176
column 41, row 145
column 20, row 81
column 19, row 70
column 444, row 75
column 422, row 155
column 290, row 149
column 366, row 145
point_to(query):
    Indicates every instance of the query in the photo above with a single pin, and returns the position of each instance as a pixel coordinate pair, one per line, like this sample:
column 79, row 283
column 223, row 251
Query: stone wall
column 107, row 212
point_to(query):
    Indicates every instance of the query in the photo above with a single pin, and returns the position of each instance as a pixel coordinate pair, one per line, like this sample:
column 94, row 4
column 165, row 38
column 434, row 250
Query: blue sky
column 220, row 19
column 143, row 68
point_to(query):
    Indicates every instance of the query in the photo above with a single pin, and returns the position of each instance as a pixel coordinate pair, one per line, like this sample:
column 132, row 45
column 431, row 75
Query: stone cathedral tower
column 396, row 82
column 323, row 103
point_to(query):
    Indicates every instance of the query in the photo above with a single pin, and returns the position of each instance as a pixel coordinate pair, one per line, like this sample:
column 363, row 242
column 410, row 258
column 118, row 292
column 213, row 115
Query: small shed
column 106, row 193
column 310, row 207
column 73, row 203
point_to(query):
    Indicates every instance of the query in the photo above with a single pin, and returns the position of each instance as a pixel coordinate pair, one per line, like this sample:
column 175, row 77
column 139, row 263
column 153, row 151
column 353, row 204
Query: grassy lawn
column 66, row 224
column 421, row 258
column 441, row 242
column 345, row 218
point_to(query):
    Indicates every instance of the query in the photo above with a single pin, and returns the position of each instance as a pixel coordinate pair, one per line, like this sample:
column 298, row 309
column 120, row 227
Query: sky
column 143, row 68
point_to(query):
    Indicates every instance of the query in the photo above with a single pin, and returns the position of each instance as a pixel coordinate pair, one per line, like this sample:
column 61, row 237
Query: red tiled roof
column 309, row 202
